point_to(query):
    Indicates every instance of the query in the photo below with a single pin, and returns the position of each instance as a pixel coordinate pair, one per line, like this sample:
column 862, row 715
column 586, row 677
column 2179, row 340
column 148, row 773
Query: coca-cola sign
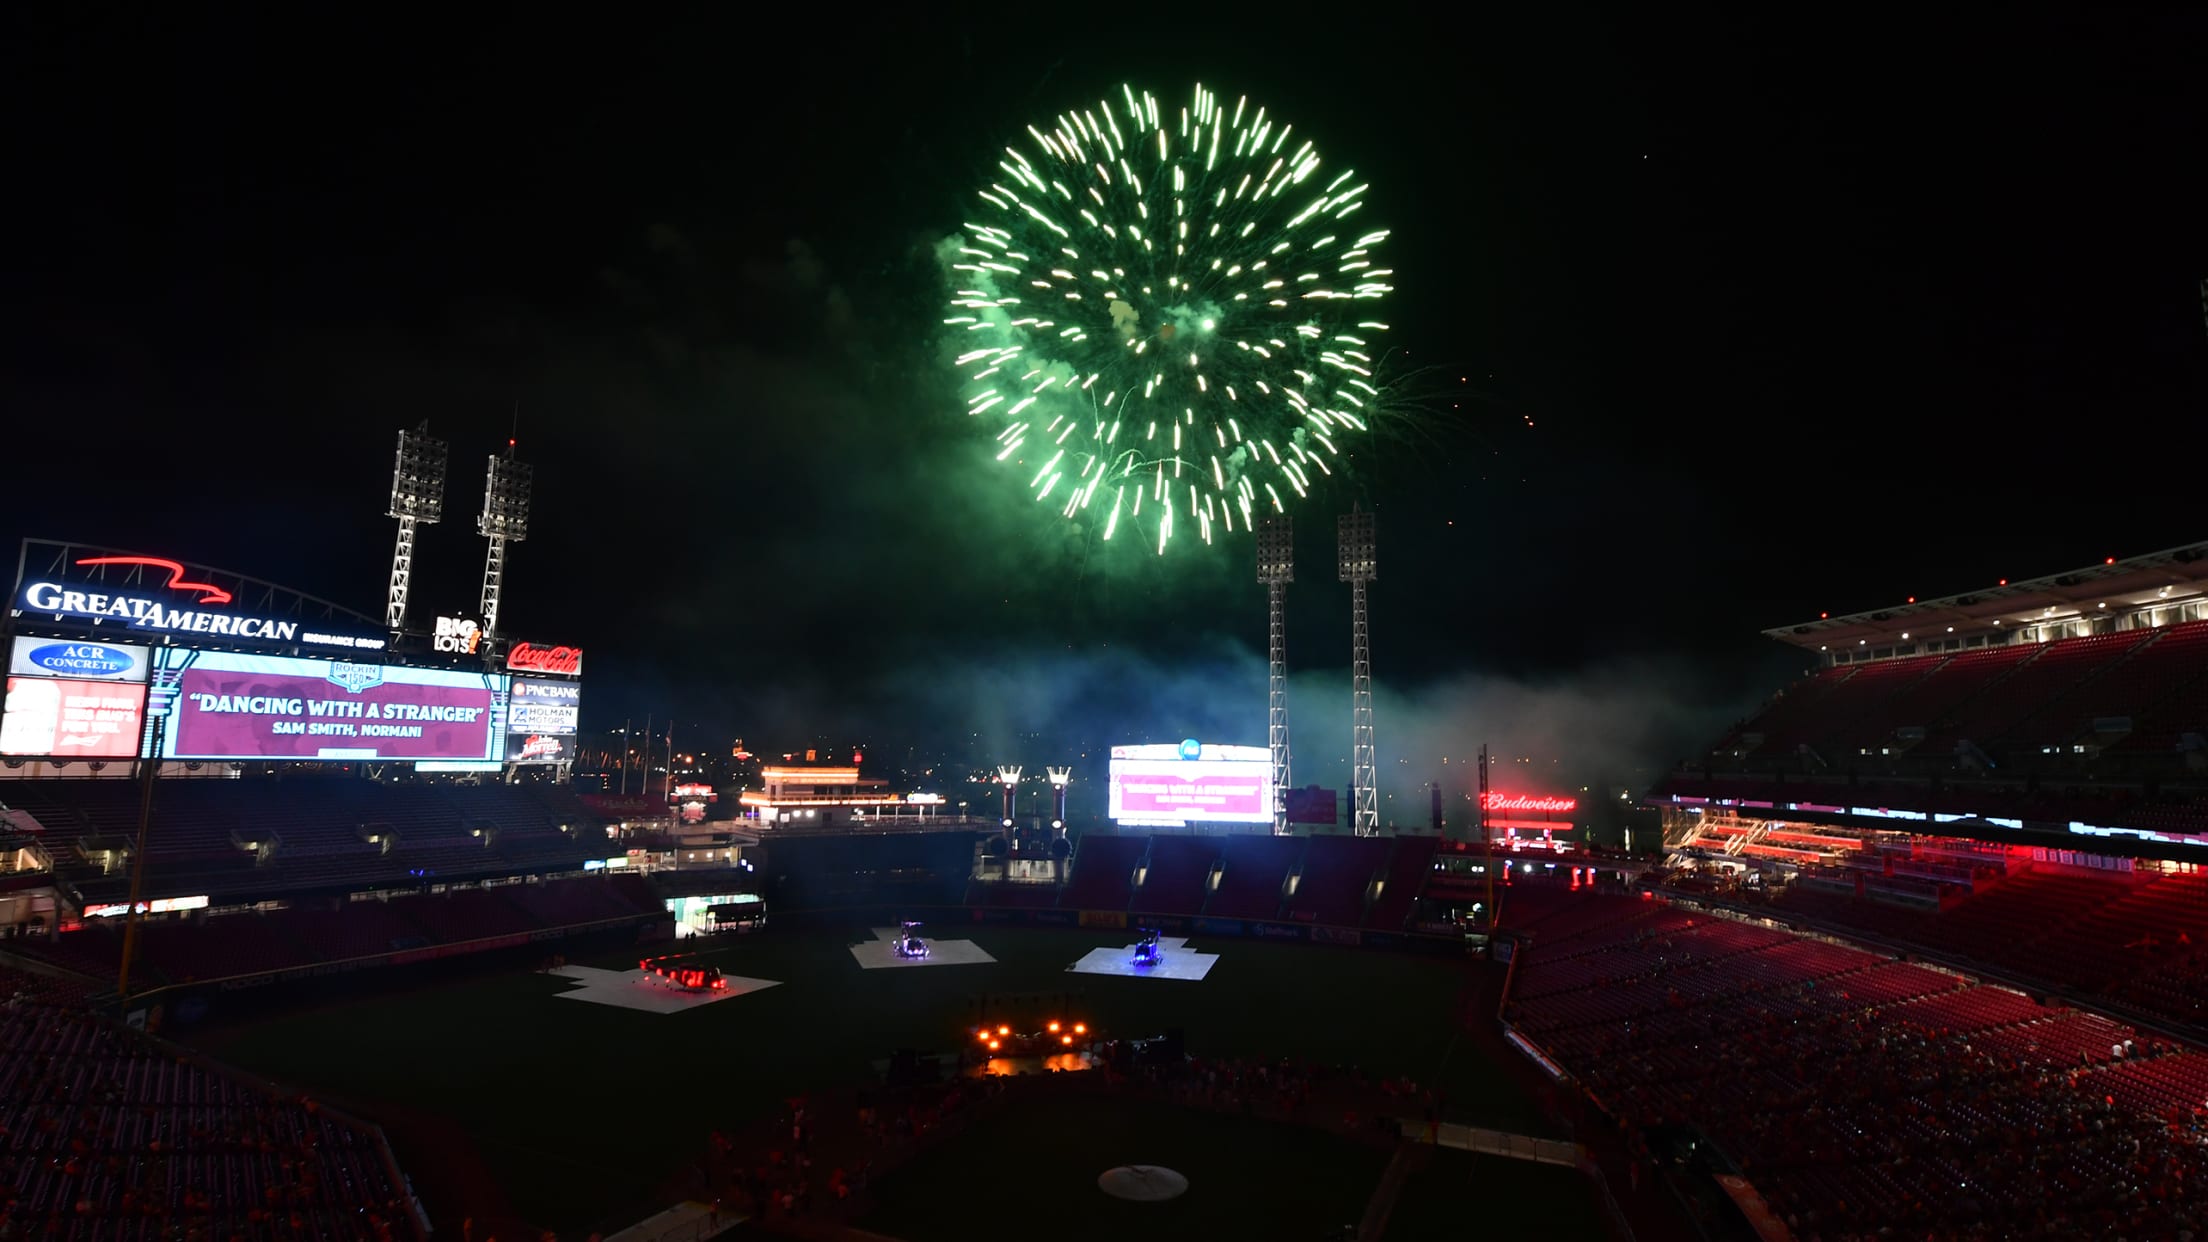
column 531, row 658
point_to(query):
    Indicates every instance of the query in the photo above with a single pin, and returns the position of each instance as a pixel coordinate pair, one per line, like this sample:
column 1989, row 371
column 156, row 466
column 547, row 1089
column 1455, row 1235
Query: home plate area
column 639, row 989
column 1175, row 961
column 880, row 953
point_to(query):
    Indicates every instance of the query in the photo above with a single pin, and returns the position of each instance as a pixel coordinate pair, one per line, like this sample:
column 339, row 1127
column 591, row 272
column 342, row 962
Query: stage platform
column 1175, row 961
column 878, row 953
column 638, row 989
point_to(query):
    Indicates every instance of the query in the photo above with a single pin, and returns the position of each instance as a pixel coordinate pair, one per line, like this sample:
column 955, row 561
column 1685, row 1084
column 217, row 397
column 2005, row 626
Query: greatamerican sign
column 145, row 610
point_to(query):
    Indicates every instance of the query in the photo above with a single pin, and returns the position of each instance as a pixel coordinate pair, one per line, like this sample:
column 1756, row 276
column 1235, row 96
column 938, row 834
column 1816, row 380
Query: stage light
column 1080, row 1028
column 993, row 1045
column 1067, row 1040
column 1054, row 1028
column 1004, row 1030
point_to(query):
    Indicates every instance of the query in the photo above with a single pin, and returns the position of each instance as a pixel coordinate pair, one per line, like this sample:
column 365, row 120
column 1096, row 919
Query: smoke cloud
column 1615, row 725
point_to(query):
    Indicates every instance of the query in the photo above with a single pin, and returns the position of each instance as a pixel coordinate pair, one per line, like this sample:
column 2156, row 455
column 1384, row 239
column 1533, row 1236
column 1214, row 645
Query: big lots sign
column 531, row 658
column 1527, row 802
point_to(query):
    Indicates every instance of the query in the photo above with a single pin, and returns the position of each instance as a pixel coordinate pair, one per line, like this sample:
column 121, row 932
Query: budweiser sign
column 530, row 658
column 1527, row 802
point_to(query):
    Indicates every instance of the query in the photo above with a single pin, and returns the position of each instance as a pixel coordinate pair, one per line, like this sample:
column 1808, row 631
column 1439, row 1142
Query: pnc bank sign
column 176, row 607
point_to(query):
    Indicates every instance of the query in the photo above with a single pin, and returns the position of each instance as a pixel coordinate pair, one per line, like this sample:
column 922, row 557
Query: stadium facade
column 2064, row 712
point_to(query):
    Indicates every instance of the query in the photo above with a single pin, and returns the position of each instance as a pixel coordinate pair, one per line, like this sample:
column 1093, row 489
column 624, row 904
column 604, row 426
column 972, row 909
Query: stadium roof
column 2155, row 579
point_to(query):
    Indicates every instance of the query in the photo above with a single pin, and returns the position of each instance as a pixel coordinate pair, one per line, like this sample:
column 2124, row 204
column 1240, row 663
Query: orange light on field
column 982, row 1035
column 1054, row 1028
column 1080, row 1028
column 993, row 1045
column 1004, row 1030
column 1067, row 1040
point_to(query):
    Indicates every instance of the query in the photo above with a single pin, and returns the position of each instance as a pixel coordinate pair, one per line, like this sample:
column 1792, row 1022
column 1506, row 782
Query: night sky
column 1727, row 326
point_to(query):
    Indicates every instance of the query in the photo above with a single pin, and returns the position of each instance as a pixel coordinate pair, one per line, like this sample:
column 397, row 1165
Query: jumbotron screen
column 1191, row 783
column 232, row 706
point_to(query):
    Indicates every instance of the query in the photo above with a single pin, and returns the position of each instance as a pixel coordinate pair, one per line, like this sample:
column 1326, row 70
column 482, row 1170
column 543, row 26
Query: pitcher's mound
column 1142, row 1183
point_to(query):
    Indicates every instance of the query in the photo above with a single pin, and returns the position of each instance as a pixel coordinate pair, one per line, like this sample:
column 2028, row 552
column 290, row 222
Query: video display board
column 65, row 718
column 548, row 707
column 227, row 705
column 1189, row 782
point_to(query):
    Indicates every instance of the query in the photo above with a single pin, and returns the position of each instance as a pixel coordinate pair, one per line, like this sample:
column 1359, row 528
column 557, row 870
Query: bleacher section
column 1179, row 878
column 232, row 945
column 2085, row 728
column 237, row 838
column 1103, row 872
column 1408, row 868
column 105, row 1134
column 1863, row 1096
column 2135, row 941
column 868, row 870
column 1333, row 877
column 1253, row 874
column 1336, row 875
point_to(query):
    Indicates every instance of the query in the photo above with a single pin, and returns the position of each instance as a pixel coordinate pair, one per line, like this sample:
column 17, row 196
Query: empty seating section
column 204, row 832
column 1179, row 876
column 1923, row 700
column 2115, row 687
column 1871, row 686
column 1337, row 874
column 2140, row 941
column 1253, row 874
column 199, row 950
column 1863, row 1097
column 2180, row 705
column 1794, row 709
column 104, row 1134
column 2033, row 686
column 1103, row 872
column 1408, row 868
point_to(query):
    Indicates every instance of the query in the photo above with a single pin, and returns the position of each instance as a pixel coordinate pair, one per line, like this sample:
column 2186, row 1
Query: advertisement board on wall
column 61, row 657
column 229, row 705
column 551, row 707
column 539, row 748
column 533, row 658
column 70, row 719
column 1190, row 782
column 164, row 602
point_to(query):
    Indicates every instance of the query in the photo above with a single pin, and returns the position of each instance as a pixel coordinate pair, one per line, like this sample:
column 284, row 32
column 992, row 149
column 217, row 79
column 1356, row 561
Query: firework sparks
column 1182, row 309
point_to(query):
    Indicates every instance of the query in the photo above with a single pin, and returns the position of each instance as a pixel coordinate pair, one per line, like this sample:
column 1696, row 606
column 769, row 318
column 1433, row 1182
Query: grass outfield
column 581, row 1111
column 1030, row 1172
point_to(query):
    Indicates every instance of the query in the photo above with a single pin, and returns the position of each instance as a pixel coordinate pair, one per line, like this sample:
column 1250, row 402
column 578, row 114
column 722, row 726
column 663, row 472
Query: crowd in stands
column 1863, row 1096
column 105, row 1133
column 185, row 950
column 2134, row 940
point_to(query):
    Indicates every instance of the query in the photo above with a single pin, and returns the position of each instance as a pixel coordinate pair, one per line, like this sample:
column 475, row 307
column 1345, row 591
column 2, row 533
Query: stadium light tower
column 505, row 518
column 1059, row 779
column 1276, row 568
column 1357, row 561
column 417, row 499
column 1009, row 777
